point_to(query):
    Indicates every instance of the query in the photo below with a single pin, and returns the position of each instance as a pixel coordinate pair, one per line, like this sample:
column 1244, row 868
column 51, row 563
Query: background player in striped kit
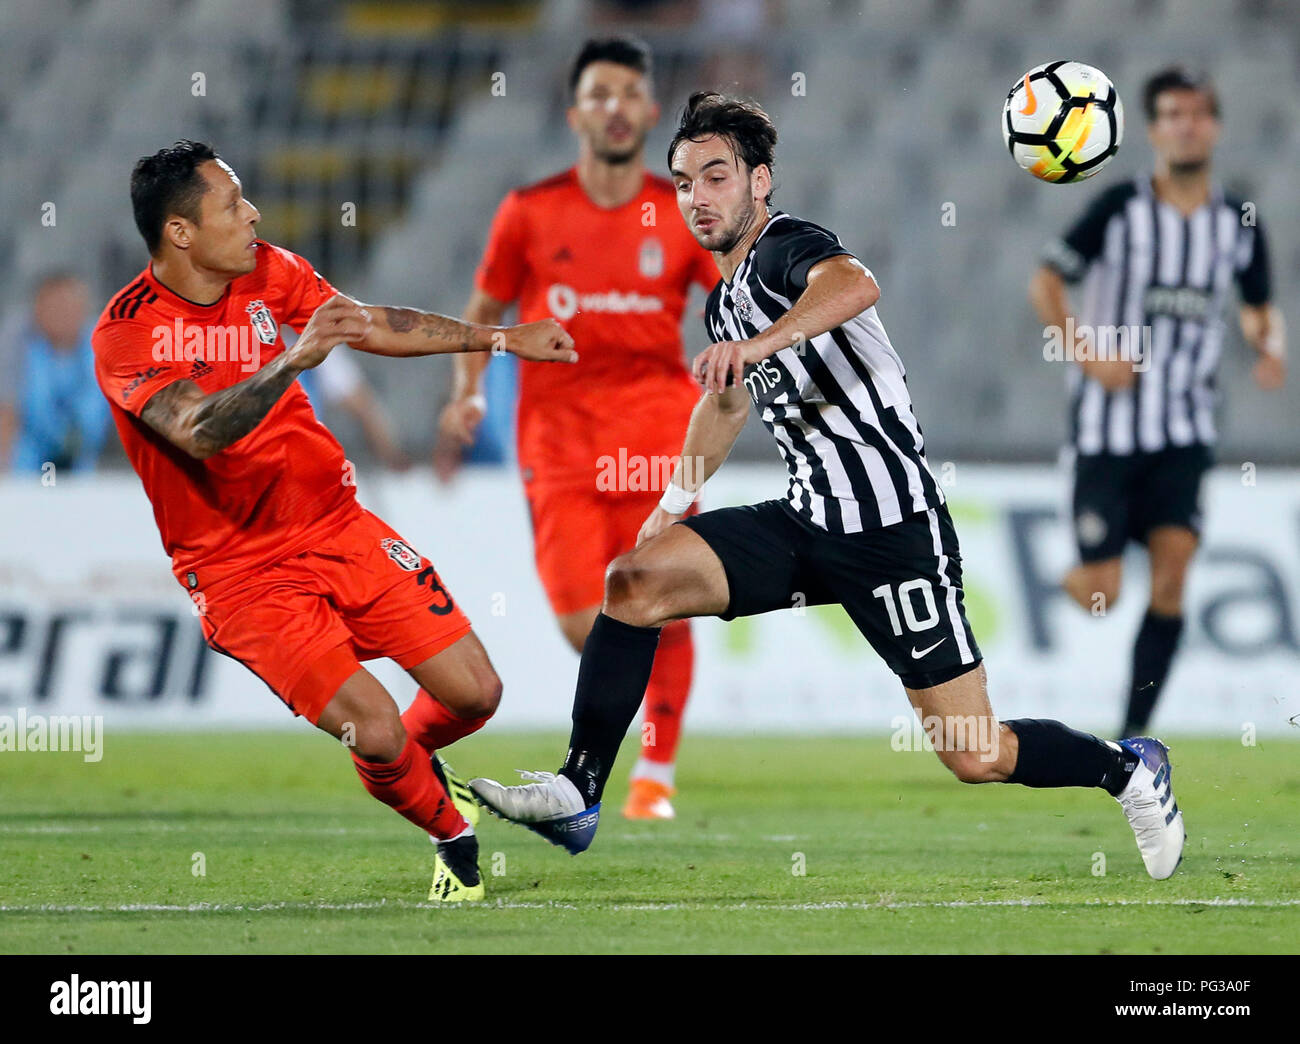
column 599, row 248
column 1157, row 255
column 863, row 525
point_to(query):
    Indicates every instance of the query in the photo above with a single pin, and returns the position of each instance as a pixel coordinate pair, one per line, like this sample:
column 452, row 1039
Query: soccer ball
column 1063, row 121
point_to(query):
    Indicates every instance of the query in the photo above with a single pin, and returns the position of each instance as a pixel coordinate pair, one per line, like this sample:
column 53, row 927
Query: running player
column 1158, row 253
column 599, row 248
column 256, row 504
column 863, row 524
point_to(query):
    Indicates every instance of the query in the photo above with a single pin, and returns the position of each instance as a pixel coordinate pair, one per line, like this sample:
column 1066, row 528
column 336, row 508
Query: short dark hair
column 743, row 124
column 1177, row 78
column 622, row 50
column 167, row 183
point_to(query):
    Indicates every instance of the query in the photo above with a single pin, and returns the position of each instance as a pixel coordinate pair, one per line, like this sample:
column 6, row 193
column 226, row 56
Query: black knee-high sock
column 1157, row 639
column 1055, row 755
column 612, row 678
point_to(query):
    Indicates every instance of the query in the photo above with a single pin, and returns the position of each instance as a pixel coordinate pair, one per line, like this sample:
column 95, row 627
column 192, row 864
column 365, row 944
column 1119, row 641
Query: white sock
column 467, row 832
column 659, row 771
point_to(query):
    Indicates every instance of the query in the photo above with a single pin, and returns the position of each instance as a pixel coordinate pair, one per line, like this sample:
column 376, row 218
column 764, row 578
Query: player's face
column 612, row 111
column 223, row 241
column 1185, row 129
column 720, row 198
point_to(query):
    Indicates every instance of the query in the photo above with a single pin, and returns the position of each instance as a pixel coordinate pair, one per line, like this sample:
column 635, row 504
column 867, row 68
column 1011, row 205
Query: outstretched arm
column 204, row 425
column 716, row 423
column 409, row 331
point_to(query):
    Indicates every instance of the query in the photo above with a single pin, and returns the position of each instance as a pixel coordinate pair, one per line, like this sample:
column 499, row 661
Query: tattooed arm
column 409, row 331
column 203, row 425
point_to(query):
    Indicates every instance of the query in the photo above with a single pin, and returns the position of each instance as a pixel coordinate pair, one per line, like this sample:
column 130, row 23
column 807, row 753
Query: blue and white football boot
column 550, row 806
column 1152, row 811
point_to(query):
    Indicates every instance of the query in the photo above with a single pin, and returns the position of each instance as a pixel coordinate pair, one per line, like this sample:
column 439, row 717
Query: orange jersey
column 272, row 493
column 618, row 281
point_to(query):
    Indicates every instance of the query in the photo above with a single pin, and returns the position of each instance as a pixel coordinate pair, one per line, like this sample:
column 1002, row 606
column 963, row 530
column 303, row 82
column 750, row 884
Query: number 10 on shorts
column 905, row 599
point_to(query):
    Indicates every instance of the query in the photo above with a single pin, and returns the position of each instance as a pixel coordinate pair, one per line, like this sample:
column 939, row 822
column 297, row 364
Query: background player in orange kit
column 597, row 247
column 255, row 502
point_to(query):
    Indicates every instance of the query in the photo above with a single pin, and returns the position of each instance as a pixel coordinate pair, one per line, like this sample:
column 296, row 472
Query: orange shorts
column 577, row 532
column 304, row 624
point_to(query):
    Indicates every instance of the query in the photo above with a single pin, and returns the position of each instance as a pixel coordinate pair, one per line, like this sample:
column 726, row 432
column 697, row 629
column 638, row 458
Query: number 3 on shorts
column 904, row 598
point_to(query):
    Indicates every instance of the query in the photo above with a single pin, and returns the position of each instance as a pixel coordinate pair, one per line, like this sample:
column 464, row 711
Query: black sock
column 1055, row 755
column 1157, row 639
column 612, row 678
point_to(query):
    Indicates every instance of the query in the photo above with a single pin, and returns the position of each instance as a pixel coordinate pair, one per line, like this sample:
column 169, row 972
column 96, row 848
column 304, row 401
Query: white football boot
column 1152, row 811
column 550, row 806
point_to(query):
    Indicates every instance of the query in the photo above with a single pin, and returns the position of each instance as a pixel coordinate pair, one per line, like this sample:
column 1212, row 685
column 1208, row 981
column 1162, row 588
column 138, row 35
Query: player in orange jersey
column 256, row 504
column 597, row 248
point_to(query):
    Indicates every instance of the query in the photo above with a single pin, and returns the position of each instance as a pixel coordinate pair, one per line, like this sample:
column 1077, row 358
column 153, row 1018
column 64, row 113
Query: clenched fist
column 542, row 341
column 340, row 320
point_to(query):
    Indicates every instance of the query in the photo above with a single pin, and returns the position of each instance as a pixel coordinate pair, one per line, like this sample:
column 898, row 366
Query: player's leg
column 1167, row 511
column 652, row 780
column 575, row 626
column 393, row 767
column 1171, row 549
column 733, row 562
column 459, row 691
column 1100, row 504
column 675, row 576
column 1036, row 752
column 1094, row 586
column 902, row 587
column 573, row 575
column 571, row 568
column 287, row 630
column 395, row 605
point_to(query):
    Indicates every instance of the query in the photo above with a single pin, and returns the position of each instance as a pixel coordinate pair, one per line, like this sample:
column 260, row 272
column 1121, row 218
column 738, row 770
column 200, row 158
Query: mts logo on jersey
column 761, row 379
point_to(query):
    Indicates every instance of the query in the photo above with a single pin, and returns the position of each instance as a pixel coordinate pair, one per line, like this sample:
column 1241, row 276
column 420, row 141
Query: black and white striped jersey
column 1163, row 278
column 837, row 405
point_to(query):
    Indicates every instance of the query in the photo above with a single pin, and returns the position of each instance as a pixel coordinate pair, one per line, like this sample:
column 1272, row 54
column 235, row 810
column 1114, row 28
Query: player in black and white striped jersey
column 863, row 525
column 1157, row 256
column 837, row 405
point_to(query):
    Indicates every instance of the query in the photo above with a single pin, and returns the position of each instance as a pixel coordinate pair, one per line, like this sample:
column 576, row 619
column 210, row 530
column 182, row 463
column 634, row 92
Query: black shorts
column 1122, row 498
column 901, row 584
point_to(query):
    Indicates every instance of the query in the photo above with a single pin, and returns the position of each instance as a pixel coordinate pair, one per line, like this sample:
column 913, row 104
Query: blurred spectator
column 51, row 409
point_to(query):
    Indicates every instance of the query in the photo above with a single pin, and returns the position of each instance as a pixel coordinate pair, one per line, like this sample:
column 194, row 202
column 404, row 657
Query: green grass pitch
column 807, row 844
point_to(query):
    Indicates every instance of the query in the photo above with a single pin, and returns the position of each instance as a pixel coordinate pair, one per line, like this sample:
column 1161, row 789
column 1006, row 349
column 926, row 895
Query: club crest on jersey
column 650, row 260
column 402, row 553
column 263, row 322
column 744, row 306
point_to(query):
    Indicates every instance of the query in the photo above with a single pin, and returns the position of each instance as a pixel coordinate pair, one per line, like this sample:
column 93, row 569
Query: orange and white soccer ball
column 1063, row 121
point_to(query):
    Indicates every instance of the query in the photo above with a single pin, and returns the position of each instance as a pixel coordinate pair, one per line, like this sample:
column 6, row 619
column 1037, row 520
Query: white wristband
column 676, row 500
column 479, row 402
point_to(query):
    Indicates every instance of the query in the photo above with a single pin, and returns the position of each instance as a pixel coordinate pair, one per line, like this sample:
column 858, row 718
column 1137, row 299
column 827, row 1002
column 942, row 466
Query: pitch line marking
column 402, row 904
